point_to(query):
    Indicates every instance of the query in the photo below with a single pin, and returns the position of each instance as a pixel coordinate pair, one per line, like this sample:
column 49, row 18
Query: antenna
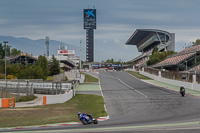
column 47, row 44
column 93, row 6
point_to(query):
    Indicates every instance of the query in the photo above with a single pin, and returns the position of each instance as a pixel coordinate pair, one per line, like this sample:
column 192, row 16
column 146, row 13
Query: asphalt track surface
column 138, row 107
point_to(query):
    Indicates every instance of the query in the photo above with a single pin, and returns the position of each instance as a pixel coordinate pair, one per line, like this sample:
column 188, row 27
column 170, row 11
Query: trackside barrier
column 53, row 99
column 44, row 100
column 192, row 86
column 7, row 102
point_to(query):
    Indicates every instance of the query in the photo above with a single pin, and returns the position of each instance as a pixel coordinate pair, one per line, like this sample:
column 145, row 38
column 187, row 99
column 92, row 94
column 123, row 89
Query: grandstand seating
column 196, row 68
column 174, row 60
column 179, row 57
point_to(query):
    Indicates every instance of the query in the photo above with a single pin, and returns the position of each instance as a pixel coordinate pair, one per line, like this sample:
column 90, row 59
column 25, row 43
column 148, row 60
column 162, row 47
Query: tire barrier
column 7, row 102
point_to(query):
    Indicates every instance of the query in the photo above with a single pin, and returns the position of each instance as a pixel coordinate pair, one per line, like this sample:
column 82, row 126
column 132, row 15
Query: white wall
column 192, row 86
column 53, row 99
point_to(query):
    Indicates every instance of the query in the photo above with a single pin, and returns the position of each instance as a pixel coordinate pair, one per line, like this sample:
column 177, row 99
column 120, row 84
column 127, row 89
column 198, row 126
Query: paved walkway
column 172, row 87
column 89, row 89
column 35, row 102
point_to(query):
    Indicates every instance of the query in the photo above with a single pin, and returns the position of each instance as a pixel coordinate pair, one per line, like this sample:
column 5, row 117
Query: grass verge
column 25, row 98
column 19, row 98
column 55, row 113
column 136, row 74
column 89, row 78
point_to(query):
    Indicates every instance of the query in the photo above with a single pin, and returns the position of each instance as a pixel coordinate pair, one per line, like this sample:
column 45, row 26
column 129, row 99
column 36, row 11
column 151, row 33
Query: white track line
column 126, row 85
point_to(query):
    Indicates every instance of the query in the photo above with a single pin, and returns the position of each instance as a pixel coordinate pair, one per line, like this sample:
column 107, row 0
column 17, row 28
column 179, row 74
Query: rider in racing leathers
column 89, row 115
column 182, row 88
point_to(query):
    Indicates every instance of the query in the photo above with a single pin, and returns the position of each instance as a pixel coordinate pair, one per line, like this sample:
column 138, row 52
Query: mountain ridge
column 37, row 47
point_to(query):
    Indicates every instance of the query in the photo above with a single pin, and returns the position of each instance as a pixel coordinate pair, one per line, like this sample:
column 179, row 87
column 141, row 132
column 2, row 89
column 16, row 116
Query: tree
column 32, row 72
column 157, row 57
column 14, row 69
column 43, row 63
column 197, row 42
column 15, row 52
column 155, row 49
column 2, row 51
column 54, row 66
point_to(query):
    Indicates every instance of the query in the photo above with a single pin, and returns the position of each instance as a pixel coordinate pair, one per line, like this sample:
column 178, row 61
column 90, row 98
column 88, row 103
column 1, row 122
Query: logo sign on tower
column 89, row 18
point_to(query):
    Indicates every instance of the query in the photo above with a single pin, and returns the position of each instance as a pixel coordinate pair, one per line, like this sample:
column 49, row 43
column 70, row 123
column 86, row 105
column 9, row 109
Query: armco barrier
column 7, row 102
column 53, row 99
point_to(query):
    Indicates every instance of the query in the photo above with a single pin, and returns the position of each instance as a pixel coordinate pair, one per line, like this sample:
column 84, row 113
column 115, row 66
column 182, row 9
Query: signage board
column 89, row 16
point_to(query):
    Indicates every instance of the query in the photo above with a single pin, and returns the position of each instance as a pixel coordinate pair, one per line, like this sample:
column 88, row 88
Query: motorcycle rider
column 89, row 115
column 182, row 90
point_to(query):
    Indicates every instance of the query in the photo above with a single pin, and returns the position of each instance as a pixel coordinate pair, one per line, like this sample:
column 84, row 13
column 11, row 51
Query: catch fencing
column 180, row 76
column 30, row 88
column 188, row 80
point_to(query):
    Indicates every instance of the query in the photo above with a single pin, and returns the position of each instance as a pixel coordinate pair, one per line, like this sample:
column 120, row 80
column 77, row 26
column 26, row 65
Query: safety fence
column 30, row 88
column 190, row 85
column 180, row 76
column 59, row 77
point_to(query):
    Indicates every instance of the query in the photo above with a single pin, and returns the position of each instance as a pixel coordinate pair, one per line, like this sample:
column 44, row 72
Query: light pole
column 10, row 50
column 80, row 53
column 80, row 60
column 5, row 65
column 186, row 65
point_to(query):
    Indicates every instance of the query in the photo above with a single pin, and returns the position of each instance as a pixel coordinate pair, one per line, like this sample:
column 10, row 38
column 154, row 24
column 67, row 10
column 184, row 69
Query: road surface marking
column 171, row 126
column 126, row 85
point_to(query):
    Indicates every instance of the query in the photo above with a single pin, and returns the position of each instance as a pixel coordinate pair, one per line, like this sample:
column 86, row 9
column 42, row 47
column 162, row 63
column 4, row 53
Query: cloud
column 63, row 21
column 105, row 41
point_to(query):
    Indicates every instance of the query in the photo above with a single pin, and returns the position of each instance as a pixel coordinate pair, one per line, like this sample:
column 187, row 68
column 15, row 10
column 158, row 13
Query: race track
column 136, row 106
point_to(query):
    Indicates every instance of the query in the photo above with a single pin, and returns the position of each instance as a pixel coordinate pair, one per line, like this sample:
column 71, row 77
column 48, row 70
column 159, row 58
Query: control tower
column 89, row 16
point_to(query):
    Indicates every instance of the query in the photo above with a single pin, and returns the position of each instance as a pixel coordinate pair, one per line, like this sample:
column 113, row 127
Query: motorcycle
column 182, row 92
column 85, row 119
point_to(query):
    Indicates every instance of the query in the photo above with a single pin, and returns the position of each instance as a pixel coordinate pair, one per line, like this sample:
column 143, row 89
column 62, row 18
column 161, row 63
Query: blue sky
column 62, row 20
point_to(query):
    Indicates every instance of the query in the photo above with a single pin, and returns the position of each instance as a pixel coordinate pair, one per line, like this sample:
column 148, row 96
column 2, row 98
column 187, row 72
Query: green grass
column 19, row 98
column 25, row 98
column 89, row 78
column 49, row 78
column 55, row 113
column 136, row 74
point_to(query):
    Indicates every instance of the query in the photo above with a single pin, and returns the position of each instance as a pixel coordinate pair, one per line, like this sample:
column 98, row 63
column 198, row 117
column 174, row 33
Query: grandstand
column 147, row 39
column 182, row 61
column 66, row 62
column 23, row 58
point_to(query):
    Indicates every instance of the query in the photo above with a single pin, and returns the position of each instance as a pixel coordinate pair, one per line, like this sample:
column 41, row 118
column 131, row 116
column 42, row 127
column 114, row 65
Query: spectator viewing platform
column 147, row 39
column 182, row 61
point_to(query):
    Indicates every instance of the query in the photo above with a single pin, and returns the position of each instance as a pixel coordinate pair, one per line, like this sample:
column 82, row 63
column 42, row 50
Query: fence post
column 2, row 92
column 32, row 91
column 56, row 89
column 159, row 75
column 52, row 87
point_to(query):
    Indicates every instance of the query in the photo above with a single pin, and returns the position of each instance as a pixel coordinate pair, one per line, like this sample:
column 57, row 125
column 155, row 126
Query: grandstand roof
column 140, row 34
column 196, row 68
column 179, row 57
column 174, row 60
column 23, row 58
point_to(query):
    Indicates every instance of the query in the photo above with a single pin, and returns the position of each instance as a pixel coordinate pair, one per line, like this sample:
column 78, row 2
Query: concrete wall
column 192, row 86
column 53, row 99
